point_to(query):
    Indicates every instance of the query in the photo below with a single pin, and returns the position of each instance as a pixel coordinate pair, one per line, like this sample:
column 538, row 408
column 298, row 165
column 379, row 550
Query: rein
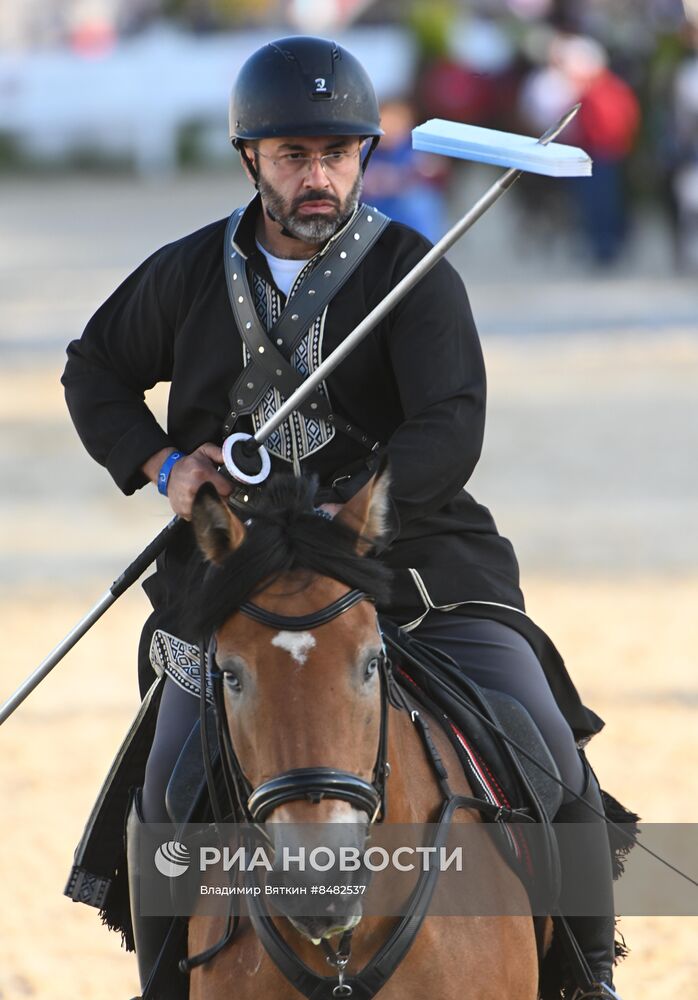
column 315, row 784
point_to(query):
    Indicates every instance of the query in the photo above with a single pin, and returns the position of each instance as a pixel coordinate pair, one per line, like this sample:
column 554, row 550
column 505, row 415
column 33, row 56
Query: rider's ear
column 218, row 531
column 368, row 512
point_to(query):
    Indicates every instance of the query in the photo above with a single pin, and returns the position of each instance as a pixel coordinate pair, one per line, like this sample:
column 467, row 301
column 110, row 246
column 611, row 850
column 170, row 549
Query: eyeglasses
column 337, row 164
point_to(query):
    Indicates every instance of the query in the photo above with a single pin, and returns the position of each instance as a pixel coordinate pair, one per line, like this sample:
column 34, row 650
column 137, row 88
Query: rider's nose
column 316, row 176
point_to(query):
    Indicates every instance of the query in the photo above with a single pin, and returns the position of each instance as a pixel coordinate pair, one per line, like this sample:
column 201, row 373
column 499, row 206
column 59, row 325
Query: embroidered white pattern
column 300, row 436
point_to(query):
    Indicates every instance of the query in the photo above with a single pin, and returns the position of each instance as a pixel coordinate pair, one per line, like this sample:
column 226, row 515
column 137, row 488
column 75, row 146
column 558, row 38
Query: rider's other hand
column 190, row 473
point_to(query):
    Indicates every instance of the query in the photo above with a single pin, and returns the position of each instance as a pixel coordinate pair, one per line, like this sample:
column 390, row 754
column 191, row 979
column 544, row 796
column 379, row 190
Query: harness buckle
column 340, row 962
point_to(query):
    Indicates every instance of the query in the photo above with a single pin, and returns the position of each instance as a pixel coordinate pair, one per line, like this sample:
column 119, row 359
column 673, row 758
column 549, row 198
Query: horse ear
column 367, row 513
column 218, row 531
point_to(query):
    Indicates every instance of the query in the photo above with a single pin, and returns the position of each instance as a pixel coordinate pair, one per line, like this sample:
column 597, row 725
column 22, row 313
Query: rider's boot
column 589, row 853
column 149, row 933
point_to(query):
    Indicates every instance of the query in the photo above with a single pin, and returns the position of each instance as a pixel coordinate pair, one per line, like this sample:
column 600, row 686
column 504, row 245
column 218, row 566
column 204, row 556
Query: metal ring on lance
column 250, row 466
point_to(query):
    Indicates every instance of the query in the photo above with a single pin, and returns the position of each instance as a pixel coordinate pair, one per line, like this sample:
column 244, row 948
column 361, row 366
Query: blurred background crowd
column 140, row 85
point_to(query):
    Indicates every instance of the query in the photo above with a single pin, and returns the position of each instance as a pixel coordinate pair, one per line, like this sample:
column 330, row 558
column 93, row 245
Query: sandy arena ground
column 636, row 666
column 589, row 466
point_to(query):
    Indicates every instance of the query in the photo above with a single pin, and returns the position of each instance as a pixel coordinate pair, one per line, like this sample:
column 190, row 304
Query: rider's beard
column 310, row 228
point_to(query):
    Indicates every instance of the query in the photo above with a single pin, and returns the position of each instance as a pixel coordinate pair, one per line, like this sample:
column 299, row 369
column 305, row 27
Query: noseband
column 312, row 784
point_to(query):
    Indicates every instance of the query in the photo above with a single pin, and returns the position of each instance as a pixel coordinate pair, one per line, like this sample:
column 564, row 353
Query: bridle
column 313, row 784
column 309, row 783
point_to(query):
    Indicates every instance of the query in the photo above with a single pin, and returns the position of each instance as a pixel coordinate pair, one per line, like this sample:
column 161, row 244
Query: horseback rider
column 304, row 120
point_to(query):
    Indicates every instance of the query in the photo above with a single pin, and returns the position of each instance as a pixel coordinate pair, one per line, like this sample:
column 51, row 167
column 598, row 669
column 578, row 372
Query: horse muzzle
column 318, row 877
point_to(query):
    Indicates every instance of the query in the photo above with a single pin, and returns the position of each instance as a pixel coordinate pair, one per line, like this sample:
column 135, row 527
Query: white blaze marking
column 298, row 644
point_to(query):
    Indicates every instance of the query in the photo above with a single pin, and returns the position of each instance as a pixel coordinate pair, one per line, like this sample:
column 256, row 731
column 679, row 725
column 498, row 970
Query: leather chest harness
column 270, row 351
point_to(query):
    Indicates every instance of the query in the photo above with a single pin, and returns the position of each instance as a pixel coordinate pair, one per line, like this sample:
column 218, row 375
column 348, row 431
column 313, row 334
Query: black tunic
column 416, row 384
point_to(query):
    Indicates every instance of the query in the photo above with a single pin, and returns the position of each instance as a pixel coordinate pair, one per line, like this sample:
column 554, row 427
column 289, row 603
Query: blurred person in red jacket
column 605, row 127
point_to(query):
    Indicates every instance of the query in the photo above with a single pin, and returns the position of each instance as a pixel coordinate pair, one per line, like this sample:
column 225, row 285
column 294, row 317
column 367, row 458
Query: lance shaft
column 118, row 587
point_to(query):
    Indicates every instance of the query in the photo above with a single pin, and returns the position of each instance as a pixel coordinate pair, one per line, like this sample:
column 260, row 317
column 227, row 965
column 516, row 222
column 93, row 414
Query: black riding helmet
column 303, row 86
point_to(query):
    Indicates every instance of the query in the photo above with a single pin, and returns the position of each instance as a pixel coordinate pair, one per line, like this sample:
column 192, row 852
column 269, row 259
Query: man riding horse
column 302, row 264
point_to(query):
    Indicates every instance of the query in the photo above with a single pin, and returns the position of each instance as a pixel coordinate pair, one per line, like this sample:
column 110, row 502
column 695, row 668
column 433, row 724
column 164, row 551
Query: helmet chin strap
column 284, row 230
column 240, row 146
column 374, row 142
column 255, row 177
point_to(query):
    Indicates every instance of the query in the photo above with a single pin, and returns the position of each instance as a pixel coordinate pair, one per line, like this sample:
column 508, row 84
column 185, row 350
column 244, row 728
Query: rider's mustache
column 315, row 196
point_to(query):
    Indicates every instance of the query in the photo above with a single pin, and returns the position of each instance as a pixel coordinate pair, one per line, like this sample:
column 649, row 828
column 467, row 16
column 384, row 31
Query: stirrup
column 599, row 991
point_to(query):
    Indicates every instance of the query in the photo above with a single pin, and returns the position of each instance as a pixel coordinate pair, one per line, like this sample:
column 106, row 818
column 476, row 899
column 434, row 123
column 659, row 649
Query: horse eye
column 232, row 681
column 371, row 668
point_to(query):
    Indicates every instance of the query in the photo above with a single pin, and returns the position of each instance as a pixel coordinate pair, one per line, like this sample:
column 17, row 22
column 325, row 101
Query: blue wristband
column 166, row 469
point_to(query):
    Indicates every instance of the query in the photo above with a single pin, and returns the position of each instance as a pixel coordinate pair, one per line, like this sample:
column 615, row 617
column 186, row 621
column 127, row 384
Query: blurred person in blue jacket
column 406, row 185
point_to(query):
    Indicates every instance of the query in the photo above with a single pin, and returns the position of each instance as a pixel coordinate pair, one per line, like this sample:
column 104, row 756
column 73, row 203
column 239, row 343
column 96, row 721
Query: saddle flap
column 518, row 724
column 493, row 767
column 186, row 789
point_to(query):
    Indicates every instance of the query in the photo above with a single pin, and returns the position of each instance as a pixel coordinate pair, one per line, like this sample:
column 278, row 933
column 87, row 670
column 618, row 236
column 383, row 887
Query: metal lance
column 118, row 587
column 401, row 289
column 253, row 443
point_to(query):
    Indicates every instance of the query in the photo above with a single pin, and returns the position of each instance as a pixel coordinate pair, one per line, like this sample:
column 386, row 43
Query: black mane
column 285, row 535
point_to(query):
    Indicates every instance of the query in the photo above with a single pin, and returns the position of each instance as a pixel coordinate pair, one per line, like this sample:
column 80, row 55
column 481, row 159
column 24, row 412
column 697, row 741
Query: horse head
column 288, row 601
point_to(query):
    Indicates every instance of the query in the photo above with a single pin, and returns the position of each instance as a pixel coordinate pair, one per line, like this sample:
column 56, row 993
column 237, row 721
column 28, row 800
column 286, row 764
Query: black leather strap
column 313, row 784
column 302, row 623
column 366, row 983
column 575, row 956
column 271, row 350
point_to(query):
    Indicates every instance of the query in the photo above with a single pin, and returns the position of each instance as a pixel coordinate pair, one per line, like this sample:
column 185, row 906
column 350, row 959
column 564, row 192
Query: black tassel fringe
column 116, row 912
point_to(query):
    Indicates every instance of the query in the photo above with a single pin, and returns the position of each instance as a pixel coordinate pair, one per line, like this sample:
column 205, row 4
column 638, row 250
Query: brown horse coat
column 314, row 710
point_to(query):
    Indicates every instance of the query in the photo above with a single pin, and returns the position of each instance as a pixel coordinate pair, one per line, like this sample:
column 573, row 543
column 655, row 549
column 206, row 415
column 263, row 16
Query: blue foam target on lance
column 501, row 149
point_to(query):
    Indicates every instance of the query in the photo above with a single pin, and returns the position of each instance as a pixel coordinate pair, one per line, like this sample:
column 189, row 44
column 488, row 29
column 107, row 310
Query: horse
column 300, row 659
